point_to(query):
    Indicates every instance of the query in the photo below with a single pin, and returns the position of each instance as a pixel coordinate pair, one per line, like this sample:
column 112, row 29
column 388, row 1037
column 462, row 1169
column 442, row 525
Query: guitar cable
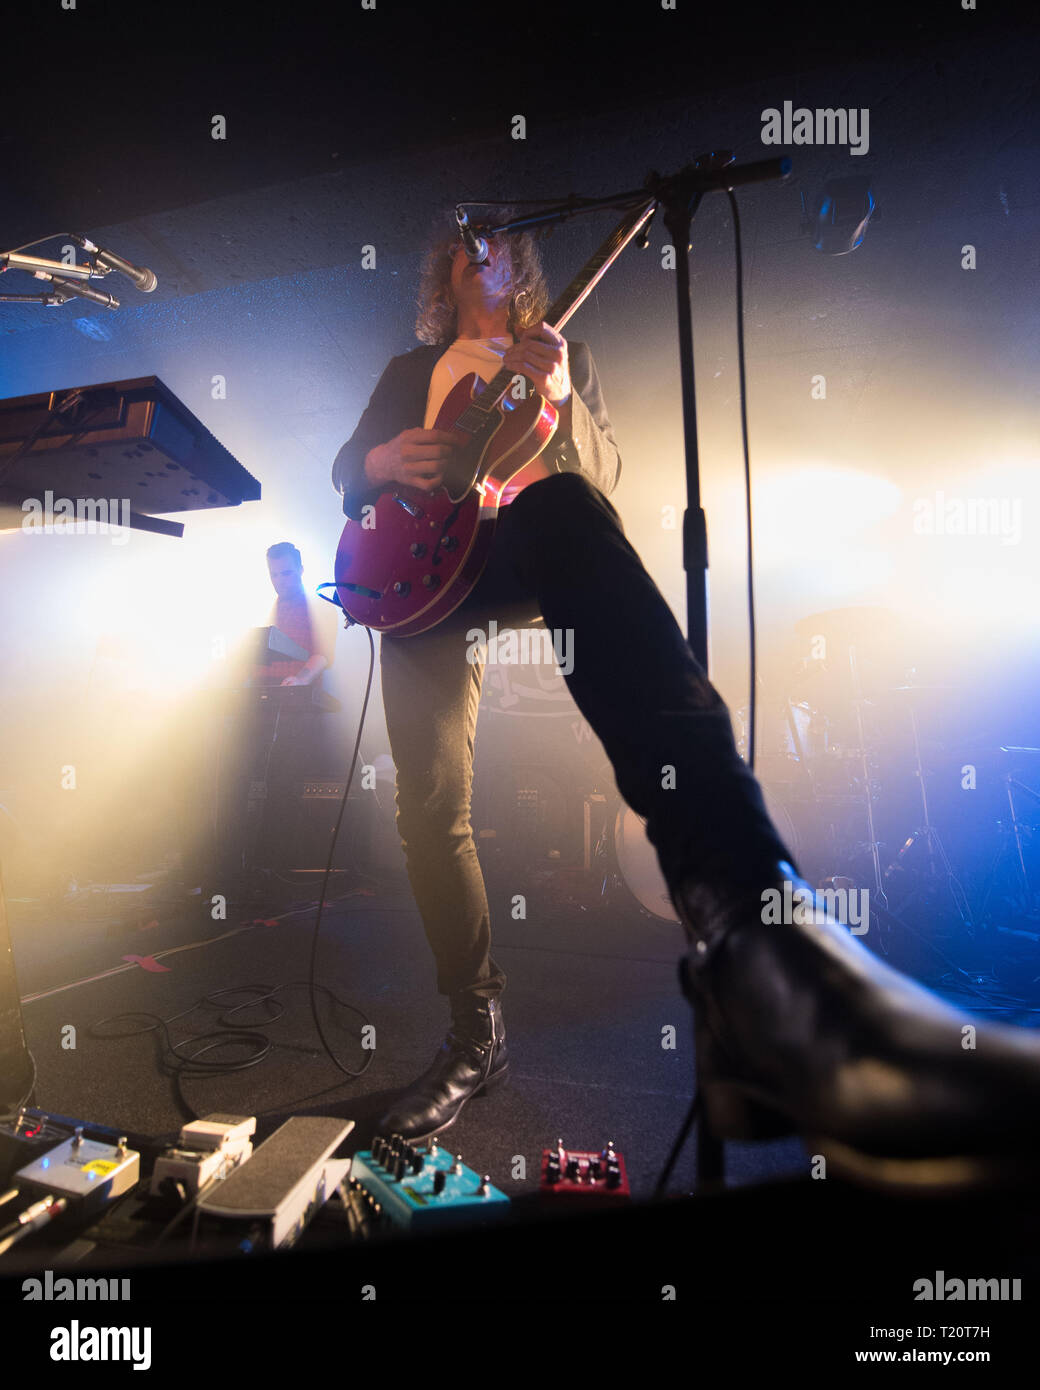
column 195, row 1064
column 332, row 851
column 752, row 645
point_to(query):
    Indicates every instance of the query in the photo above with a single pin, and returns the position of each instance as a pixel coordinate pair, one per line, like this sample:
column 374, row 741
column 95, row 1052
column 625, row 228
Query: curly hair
column 437, row 319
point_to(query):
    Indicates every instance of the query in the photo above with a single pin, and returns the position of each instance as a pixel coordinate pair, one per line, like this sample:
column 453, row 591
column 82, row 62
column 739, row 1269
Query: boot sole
column 947, row 1176
column 733, row 1113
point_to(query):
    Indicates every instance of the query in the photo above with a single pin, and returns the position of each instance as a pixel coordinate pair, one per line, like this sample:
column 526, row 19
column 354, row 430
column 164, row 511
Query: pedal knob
column 482, row 1190
column 572, row 1169
column 440, row 1179
column 594, row 1169
column 430, row 581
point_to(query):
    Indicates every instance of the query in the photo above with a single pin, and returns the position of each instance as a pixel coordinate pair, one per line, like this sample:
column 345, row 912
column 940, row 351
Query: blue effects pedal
column 416, row 1190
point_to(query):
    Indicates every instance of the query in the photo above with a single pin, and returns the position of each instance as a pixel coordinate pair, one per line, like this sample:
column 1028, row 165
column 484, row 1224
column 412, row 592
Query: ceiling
column 106, row 109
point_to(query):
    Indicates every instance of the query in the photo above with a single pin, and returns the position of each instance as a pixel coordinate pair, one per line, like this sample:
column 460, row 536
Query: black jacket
column 399, row 403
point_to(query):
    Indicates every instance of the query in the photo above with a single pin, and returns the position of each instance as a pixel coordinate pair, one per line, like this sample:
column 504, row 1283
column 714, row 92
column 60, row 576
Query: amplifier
column 306, row 823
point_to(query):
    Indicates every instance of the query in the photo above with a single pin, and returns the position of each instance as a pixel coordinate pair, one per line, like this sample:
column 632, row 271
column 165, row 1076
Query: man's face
column 487, row 285
column 286, row 575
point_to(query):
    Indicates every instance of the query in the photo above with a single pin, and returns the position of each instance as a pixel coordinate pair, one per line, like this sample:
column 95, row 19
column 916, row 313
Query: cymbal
column 987, row 750
column 916, row 689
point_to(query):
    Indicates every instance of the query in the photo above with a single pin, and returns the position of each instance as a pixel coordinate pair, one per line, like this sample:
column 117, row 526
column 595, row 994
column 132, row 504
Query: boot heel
column 733, row 1114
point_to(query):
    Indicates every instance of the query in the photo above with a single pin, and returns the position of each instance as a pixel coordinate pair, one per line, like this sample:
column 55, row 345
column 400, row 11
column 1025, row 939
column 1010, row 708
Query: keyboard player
column 309, row 622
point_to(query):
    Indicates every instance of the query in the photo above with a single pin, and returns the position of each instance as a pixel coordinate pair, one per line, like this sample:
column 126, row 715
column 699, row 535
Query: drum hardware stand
column 1013, row 784
column 802, row 755
column 1016, row 832
column 868, row 786
column 939, row 865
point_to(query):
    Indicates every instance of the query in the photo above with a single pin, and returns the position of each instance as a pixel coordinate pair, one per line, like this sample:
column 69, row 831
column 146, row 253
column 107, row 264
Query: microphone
column 75, row 287
column 36, row 265
column 143, row 278
column 476, row 247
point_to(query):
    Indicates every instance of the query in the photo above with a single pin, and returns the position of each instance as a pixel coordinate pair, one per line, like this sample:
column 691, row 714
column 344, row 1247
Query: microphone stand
column 679, row 195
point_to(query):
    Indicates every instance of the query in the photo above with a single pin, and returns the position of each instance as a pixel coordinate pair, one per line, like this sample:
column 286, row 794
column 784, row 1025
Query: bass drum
column 636, row 858
column 637, row 865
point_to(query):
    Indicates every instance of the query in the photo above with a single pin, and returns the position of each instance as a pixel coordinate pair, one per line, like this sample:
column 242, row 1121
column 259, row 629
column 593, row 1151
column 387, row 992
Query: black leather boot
column 472, row 1061
column 800, row 1029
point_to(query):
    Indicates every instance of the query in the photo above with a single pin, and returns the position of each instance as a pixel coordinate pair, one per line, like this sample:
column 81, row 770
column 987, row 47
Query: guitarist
column 844, row 1048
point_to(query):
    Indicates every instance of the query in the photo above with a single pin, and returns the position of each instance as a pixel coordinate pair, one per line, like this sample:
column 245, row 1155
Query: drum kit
column 844, row 759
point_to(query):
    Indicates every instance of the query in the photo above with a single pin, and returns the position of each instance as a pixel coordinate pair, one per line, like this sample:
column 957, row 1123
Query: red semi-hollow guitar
column 417, row 555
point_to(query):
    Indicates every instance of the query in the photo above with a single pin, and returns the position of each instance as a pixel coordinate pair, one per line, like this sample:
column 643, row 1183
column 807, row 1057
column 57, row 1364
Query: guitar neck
column 592, row 272
column 477, row 413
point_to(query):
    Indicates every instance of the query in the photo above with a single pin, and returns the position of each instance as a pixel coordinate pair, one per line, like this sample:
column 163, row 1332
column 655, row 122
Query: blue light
column 92, row 328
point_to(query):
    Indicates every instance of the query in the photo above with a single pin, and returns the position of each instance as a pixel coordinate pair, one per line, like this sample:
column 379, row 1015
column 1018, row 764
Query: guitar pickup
column 409, row 507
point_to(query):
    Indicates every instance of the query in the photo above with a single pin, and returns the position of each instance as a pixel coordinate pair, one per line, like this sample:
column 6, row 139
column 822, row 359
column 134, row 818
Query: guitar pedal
column 580, row 1174
column 405, row 1188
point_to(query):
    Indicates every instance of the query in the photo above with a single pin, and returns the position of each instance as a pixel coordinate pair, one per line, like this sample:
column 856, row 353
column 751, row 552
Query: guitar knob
column 449, row 542
column 402, row 587
column 418, row 549
column 430, row 581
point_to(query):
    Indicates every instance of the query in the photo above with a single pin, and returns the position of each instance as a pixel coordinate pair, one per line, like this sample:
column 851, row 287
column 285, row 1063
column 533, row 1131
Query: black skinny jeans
column 560, row 551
